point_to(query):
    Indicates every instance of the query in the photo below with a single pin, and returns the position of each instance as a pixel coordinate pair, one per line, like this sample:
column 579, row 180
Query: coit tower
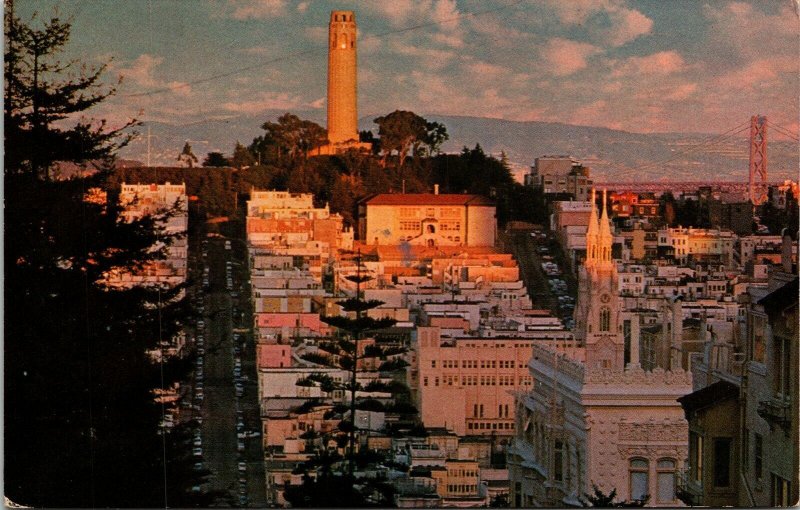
column 342, row 114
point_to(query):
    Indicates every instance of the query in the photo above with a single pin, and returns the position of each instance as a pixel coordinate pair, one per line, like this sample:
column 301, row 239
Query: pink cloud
column 564, row 57
column 661, row 63
column 626, row 24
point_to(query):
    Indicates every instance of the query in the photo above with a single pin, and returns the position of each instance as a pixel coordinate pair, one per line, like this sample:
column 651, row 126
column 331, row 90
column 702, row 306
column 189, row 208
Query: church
column 593, row 416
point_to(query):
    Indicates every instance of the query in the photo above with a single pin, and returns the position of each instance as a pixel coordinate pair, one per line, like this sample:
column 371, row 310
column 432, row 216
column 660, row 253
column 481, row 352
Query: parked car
column 197, row 452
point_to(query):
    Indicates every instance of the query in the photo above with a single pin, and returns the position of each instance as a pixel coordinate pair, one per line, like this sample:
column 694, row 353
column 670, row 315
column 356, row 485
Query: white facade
column 603, row 421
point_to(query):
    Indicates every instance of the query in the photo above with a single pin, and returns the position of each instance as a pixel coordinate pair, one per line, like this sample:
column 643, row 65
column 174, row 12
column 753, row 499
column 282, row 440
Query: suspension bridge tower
column 758, row 159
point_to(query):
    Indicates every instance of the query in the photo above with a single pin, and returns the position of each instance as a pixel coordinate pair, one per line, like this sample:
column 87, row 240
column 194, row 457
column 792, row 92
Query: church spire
column 591, row 234
column 604, row 238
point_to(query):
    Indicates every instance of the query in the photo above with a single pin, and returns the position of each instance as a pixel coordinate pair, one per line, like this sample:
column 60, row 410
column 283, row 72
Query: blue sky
column 643, row 66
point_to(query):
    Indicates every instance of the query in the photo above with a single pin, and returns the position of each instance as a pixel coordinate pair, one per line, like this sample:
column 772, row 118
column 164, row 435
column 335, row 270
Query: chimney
column 435, row 189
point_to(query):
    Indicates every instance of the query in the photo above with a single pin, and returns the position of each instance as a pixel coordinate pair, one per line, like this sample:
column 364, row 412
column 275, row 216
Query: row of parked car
column 238, row 384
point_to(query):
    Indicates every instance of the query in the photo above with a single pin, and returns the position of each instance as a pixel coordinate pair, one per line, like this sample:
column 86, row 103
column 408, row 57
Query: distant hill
column 612, row 155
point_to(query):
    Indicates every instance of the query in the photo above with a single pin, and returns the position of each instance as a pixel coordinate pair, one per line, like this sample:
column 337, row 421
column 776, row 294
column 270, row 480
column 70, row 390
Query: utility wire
column 315, row 50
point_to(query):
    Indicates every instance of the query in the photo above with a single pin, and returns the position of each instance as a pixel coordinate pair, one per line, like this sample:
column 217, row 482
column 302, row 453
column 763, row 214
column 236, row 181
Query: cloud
column 142, row 70
column 302, row 7
column 317, row 34
column 661, row 63
column 404, row 13
column 267, row 101
column 564, row 56
column 607, row 21
column 257, row 9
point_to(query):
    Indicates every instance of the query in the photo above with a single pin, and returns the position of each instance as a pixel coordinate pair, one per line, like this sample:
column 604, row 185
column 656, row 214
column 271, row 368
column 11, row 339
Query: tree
column 400, row 132
column 241, row 157
column 347, row 345
column 41, row 91
column 599, row 499
column 187, row 157
column 289, row 139
column 214, row 159
column 436, row 135
column 345, row 352
column 81, row 426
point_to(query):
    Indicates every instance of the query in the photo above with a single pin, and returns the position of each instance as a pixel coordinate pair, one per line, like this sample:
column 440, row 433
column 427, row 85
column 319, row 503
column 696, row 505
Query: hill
column 613, row 155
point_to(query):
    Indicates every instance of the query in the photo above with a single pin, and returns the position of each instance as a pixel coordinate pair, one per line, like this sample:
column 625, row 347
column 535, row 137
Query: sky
column 641, row 66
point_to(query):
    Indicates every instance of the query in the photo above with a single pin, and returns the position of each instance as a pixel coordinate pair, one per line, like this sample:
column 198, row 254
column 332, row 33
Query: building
column 602, row 421
column 280, row 218
column 770, row 396
column 140, row 200
column 560, row 174
column 743, row 416
column 731, row 212
column 466, row 384
column 427, row 219
column 342, row 84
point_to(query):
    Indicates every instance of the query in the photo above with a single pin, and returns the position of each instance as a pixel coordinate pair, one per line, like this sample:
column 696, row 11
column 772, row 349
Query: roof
column 427, row 199
column 708, row 396
column 784, row 296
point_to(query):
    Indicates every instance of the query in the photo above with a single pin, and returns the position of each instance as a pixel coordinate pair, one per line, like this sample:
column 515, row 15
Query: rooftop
column 427, row 199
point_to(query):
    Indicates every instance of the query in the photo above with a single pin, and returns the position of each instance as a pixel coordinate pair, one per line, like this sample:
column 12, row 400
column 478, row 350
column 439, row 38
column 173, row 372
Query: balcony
column 776, row 411
column 687, row 490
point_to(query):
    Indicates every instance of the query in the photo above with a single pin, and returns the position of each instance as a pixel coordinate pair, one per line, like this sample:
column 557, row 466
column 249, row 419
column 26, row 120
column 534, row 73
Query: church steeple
column 591, row 234
column 604, row 237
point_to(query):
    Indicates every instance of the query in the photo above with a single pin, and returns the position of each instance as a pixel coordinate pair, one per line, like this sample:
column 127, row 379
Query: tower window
column 605, row 319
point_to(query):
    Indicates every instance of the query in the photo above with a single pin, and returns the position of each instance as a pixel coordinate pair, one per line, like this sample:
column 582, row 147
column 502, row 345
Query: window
column 758, row 457
column 696, row 456
column 558, row 461
column 781, row 379
column 780, row 491
column 757, row 326
column 722, row 462
column 665, row 477
column 639, row 478
column 605, row 319
column 626, row 332
column 745, row 450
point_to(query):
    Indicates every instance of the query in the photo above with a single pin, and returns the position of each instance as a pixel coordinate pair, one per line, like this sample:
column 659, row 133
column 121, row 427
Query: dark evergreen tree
column 187, row 157
column 81, row 426
column 215, row 159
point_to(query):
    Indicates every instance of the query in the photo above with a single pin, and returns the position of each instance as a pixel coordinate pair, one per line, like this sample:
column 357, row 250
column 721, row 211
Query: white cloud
column 266, row 101
column 302, row 7
column 257, row 9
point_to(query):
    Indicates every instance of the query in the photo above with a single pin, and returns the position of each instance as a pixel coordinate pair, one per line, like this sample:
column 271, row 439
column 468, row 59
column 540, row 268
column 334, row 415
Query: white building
column 604, row 421
column 139, row 200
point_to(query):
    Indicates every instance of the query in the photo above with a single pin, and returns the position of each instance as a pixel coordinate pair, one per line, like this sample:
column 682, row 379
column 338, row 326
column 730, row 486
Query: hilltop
column 613, row 155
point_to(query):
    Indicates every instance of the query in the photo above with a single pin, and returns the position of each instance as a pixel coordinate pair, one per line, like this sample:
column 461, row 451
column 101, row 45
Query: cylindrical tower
column 342, row 112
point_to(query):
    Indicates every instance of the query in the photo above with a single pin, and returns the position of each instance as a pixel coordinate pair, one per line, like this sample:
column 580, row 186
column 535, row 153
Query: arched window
column 333, row 40
column 344, row 41
column 605, row 319
column 431, row 229
column 665, row 477
column 639, row 474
